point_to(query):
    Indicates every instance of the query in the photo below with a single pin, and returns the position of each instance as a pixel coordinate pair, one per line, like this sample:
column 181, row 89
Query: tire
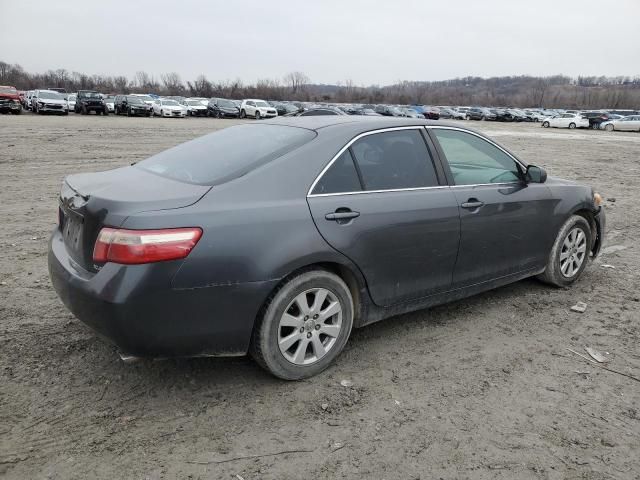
column 609, row 128
column 572, row 126
column 243, row 114
column 545, row 124
column 83, row 110
column 553, row 273
column 257, row 115
column 301, row 361
column 105, row 112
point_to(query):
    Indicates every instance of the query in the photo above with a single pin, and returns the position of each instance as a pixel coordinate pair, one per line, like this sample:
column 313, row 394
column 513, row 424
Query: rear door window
column 394, row 160
column 226, row 154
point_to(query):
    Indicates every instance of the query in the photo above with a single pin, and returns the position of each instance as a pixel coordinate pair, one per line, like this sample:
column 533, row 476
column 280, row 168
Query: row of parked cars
column 87, row 101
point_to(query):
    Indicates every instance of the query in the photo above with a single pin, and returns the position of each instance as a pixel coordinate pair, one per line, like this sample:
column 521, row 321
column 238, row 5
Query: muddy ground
column 482, row 388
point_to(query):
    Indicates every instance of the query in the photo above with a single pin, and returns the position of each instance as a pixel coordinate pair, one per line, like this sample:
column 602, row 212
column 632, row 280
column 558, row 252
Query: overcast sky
column 369, row 42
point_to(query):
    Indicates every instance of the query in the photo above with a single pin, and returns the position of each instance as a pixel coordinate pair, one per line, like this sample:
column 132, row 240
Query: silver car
column 630, row 123
column 48, row 101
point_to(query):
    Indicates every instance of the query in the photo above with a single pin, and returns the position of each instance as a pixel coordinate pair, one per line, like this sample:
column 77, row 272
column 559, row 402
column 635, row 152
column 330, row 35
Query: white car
column 257, row 109
column 109, row 101
column 566, row 120
column 630, row 123
column 195, row 108
column 48, row 101
column 71, row 101
column 164, row 107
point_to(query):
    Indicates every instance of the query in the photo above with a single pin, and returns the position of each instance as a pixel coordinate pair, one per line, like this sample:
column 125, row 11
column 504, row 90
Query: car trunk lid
column 89, row 201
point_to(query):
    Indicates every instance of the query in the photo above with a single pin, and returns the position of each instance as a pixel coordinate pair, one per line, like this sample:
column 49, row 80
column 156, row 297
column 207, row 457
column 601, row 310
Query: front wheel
column 257, row 115
column 572, row 126
column 304, row 326
column 569, row 254
column 243, row 114
column 545, row 124
column 609, row 128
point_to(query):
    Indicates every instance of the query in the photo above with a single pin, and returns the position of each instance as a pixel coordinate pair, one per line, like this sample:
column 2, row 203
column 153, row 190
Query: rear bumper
column 135, row 308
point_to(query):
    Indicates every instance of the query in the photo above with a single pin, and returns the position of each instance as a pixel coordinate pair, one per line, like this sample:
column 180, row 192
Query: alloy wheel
column 573, row 252
column 310, row 326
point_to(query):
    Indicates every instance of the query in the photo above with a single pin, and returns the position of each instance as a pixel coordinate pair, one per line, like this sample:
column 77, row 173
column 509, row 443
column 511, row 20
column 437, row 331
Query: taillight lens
column 132, row 247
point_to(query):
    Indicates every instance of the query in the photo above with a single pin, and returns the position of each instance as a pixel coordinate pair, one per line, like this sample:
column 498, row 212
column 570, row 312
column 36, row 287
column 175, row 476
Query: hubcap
column 573, row 252
column 310, row 326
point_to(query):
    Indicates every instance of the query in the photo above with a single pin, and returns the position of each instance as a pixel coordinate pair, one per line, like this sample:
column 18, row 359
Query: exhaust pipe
column 128, row 358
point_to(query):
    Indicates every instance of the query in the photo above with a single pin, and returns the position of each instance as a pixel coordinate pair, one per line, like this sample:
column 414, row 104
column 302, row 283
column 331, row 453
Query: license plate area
column 72, row 227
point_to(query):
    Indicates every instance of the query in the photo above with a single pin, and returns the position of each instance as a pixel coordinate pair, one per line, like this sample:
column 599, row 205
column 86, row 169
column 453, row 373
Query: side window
column 341, row 177
column 475, row 161
column 393, row 160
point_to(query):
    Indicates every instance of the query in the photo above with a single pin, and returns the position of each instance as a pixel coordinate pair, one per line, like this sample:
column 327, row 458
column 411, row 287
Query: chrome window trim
column 413, row 127
column 343, row 149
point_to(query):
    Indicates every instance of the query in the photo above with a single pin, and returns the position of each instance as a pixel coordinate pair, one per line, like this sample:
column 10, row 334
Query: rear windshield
column 226, row 154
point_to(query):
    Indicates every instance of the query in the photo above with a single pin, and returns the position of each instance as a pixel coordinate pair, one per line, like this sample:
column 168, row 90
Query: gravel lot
column 482, row 388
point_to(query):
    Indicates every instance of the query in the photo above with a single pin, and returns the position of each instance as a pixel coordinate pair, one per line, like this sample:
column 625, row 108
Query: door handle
column 472, row 204
column 342, row 215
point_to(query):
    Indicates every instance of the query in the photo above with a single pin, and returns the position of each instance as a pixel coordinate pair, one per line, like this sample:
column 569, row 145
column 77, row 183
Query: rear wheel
column 304, row 326
column 572, row 126
column 609, row 128
column 569, row 254
column 545, row 124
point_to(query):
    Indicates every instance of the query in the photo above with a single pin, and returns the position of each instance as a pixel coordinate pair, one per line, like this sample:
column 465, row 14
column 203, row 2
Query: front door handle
column 472, row 204
column 340, row 215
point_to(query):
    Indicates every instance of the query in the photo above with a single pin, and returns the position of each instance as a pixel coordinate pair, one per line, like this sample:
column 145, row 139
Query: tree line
column 558, row 91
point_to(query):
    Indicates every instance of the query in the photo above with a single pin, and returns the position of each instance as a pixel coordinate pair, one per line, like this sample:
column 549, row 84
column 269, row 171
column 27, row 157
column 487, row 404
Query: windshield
column 226, row 104
column 194, row 103
column 109, row 98
column 226, row 154
column 71, row 97
column 172, row 103
column 10, row 90
column 50, row 95
column 145, row 98
column 136, row 100
column 90, row 95
column 262, row 104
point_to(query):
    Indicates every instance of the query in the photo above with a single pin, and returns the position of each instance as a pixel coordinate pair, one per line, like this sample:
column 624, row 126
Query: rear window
column 226, row 154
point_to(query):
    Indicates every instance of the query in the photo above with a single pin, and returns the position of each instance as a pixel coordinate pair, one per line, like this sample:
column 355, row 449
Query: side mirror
column 535, row 174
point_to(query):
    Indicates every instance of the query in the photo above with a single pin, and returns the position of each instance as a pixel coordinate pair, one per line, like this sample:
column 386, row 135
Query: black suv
column 595, row 118
column 131, row 105
column 88, row 100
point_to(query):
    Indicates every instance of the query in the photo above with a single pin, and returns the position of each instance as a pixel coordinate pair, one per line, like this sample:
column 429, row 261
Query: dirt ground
column 481, row 388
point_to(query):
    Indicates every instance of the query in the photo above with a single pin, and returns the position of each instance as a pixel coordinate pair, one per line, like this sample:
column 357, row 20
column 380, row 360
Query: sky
column 331, row 41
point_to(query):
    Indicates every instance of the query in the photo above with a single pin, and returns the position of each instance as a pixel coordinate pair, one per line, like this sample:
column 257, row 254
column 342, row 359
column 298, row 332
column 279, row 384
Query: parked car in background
column 164, row 107
column 195, row 108
column 431, row 113
column 109, row 101
column 449, row 113
column 71, row 101
column 132, row 106
column 630, row 123
column 48, row 101
column 90, row 101
column 313, row 112
column 566, row 120
column 145, row 98
column 388, row 111
column 411, row 113
column 257, row 109
column 10, row 100
column 183, row 253
column 503, row 115
column 595, row 118
column 480, row 113
column 535, row 116
column 222, row 108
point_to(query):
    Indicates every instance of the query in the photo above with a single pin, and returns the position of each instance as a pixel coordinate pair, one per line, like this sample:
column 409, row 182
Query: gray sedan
column 278, row 238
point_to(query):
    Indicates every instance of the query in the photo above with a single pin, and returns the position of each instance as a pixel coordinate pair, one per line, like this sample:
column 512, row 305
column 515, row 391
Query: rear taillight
column 132, row 247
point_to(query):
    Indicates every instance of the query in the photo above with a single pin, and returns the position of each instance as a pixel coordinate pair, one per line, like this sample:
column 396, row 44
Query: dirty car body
column 399, row 244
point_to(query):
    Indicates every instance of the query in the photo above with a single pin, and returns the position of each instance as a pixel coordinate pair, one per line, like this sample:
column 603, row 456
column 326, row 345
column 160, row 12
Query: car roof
column 354, row 121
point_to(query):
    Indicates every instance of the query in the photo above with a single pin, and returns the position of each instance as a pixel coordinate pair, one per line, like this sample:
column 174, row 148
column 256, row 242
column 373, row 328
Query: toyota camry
column 277, row 238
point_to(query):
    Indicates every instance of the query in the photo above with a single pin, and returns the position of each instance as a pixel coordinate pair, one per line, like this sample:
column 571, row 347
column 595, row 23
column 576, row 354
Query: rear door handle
column 472, row 204
column 337, row 216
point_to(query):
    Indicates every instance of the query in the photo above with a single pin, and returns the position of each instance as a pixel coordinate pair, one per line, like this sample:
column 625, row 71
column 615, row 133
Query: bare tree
column 172, row 83
column 296, row 81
